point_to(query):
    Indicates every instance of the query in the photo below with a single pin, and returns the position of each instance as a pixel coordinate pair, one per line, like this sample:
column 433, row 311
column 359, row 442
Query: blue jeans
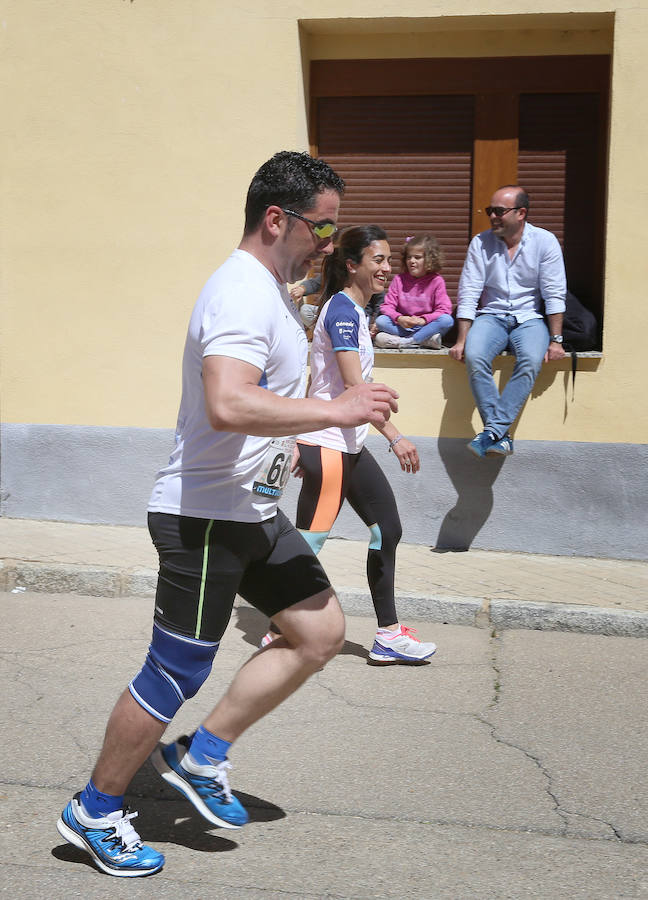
column 488, row 336
column 419, row 333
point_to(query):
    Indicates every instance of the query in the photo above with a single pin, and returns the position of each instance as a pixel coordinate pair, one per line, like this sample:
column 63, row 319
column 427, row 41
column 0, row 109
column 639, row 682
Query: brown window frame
column 497, row 97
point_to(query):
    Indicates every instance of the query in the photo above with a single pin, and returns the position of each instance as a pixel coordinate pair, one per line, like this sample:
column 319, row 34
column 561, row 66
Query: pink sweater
column 408, row 296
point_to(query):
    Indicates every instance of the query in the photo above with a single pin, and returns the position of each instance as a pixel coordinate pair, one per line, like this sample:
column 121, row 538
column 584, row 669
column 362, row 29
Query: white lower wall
column 582, row 499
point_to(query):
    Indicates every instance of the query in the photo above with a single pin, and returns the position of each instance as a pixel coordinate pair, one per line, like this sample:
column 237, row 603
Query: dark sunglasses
column 498, row 211
column 321, row 230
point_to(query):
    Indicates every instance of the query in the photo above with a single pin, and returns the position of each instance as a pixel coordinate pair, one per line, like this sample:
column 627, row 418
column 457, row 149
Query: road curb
column 567, row 617
column 91, row 581
column 449, row 610
column 18, row 576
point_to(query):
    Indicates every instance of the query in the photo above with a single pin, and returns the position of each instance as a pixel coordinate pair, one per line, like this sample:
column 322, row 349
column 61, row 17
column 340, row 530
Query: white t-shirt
column 243, row 313
column 341, row 327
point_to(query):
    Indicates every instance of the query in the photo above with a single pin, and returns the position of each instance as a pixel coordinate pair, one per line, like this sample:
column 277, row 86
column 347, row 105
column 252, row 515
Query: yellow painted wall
column 131, row 131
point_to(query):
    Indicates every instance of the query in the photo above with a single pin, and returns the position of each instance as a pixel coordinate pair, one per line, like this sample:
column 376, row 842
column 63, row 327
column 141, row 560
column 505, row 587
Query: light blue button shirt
column 528, row 286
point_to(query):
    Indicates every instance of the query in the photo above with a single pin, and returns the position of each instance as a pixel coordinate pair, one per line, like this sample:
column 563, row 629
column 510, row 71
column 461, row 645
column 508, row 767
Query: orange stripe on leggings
column 328, row 504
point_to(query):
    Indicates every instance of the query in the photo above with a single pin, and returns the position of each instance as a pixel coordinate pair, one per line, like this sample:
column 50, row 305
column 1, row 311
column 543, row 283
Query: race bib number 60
column 272, row 477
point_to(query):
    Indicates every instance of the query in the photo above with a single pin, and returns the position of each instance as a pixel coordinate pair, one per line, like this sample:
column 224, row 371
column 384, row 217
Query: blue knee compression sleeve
column 174, row 670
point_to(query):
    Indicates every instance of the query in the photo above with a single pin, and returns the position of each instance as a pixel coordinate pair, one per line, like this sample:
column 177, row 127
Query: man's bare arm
column 235, row 402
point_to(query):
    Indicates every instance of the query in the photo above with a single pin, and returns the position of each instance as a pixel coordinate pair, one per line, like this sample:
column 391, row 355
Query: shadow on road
column 254, row 625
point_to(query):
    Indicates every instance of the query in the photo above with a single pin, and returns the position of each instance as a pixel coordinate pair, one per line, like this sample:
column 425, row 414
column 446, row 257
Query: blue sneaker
column 481, row 444
column 207, row 787
column 112, row 842
column 503, row 447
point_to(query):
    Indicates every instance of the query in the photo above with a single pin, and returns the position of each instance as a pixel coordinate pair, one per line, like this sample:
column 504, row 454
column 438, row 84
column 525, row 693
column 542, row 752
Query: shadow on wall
column 472, row 478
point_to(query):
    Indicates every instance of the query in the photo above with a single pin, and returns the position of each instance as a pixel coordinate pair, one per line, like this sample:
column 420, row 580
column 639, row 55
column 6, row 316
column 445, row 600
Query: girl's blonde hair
column 432, row 252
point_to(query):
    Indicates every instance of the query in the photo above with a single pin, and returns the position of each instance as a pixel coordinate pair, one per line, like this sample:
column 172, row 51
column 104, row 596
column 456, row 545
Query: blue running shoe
column 207, row 787
column 481, row 444
column 113, row 843
column 503, row 447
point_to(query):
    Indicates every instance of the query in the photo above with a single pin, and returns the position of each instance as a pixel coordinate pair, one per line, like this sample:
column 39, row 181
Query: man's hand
column 463, row 327
column 362, row 403
column 554, row 351
column 457, row 352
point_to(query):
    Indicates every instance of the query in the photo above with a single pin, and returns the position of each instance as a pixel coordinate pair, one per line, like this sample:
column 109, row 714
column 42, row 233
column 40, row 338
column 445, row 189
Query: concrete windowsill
column 418, row 351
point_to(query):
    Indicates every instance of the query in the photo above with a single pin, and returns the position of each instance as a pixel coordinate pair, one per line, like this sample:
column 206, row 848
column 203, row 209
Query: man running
column 214, row 521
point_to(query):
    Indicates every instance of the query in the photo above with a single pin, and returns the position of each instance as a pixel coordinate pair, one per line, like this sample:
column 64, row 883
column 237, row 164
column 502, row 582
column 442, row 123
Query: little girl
column 416, row 310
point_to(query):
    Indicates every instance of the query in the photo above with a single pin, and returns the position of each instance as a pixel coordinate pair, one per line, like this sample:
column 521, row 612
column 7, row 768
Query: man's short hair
column 521, row 198
column 291, row 180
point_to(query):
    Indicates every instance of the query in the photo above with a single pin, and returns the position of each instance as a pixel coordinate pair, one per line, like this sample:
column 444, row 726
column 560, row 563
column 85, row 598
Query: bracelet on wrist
column 395, row 441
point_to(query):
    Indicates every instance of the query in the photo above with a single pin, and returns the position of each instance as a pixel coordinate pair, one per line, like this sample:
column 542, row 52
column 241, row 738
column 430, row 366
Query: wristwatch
column 556, row 339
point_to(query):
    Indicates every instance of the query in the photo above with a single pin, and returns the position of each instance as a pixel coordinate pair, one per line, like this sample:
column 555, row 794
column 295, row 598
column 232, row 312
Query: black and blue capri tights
column 330, row 478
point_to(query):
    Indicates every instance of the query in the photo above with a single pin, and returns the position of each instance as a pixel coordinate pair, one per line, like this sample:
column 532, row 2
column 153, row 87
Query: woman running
column 334, row 463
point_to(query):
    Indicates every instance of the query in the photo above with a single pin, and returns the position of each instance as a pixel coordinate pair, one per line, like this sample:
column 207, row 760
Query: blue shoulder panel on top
column 342, row 323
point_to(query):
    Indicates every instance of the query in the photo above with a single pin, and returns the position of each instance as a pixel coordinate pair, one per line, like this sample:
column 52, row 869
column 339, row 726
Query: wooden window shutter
column 407, row 165
column 560, row 164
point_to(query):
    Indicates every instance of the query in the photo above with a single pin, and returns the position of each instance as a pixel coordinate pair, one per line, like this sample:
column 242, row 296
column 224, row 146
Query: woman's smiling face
column 370, row 274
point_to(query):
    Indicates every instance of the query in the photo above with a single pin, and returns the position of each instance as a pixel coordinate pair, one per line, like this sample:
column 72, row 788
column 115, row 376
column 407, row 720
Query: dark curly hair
column 290, row 179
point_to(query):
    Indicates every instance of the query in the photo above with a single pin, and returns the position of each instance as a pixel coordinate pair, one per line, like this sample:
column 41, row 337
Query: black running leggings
column 330, row 477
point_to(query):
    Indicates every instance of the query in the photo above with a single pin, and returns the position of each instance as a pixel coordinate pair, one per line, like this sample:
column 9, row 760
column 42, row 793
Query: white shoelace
column 217, row 772
column 221, row 777
column 124, row 830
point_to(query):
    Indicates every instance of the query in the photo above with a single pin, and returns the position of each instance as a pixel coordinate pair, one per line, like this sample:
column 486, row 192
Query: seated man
column 513, row 274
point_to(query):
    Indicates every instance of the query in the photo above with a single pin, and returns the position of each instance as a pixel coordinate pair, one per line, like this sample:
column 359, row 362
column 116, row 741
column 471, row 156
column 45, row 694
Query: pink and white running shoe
column 400, row 646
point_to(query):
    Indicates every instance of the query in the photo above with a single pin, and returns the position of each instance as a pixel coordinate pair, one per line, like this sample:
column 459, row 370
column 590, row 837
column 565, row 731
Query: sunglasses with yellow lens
column 321, row 230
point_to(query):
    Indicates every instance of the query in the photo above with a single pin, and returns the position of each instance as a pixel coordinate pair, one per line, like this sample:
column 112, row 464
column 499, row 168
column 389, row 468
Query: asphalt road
column 510, row 766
